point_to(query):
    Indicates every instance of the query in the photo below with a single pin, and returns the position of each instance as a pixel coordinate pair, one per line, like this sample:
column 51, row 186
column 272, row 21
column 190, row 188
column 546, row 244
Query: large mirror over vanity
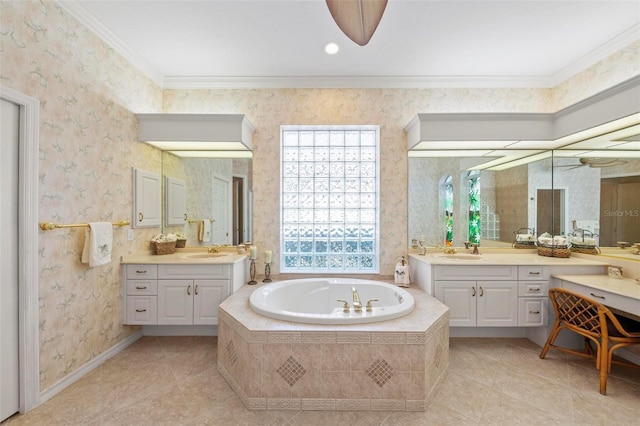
column 556, row 195
column 587, row 185
column 206, row 190
column 217, row 193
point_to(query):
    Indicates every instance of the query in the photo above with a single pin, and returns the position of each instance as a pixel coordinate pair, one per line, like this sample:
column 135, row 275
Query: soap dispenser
column 402, row 278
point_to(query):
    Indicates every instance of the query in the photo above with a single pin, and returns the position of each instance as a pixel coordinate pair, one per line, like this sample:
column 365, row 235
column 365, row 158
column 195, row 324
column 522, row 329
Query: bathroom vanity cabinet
column 479, row 295
column 504, row 290
column 178, row 294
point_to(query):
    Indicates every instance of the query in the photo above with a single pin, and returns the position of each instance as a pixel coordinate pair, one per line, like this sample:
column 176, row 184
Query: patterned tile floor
column 174, row 381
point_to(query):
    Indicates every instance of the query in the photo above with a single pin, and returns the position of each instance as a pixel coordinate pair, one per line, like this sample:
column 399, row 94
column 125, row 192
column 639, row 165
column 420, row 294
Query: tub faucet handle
column 369, row 306
column 345, row 307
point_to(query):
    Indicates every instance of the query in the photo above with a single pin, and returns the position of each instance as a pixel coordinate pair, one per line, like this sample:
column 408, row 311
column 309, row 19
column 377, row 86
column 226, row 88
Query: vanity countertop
column 184, row 257
column 622, row 286
column 508, row 258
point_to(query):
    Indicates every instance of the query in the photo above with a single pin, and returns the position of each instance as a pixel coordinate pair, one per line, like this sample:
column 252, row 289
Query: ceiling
column 419, row 43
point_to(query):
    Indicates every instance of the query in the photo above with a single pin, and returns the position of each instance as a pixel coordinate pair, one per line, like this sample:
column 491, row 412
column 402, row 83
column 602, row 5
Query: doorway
column 26, row 187
column 221, row 228
column 9, row 343
column 619, row 210
column 550, row 211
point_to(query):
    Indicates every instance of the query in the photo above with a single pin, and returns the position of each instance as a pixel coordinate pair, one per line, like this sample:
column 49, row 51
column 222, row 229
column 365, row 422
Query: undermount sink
column 204, row 255
column 461, row 256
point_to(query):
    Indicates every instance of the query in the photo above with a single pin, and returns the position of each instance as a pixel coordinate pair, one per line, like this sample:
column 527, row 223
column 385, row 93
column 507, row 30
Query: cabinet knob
column 473, row 292
column 534, row 289
column 141, row 288
column 534, row 312
column 140, row 217
column 481, row 292
column 599, row 297
column 141, row 310
column 141, row 272
column 534, row 273
column 189, row 290
column 196, row 289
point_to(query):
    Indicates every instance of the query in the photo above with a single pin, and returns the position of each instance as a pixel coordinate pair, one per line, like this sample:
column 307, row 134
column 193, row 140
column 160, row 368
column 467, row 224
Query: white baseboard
column 509, row 332
column 180, row 330
column 628, row 355
column 70, row 379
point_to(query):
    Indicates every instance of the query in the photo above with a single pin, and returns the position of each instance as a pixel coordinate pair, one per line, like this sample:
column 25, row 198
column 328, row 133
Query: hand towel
column 201, row 230
column 207, row 231
column 98, row 243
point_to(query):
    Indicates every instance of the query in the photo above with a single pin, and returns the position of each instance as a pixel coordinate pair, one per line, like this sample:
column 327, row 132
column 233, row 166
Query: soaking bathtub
column 315, row 301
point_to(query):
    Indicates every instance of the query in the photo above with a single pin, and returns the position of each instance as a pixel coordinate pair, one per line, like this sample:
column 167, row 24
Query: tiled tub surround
column 391, row 365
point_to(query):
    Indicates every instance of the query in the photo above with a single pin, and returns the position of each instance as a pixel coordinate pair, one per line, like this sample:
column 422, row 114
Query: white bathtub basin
column 314, row 301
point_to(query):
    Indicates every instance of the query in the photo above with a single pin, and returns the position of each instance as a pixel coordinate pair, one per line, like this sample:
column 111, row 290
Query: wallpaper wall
column 89, row 95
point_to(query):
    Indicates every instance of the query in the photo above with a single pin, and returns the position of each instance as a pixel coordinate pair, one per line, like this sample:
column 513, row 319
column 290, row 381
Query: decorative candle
column 253, row 252
column 267, row 256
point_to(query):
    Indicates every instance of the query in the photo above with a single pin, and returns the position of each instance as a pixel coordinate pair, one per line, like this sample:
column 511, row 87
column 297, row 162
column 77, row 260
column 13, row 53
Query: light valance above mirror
column 198, row 135
column 509, row 139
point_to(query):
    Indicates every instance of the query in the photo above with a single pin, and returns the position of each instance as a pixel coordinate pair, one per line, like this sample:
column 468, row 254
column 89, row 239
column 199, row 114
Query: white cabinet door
column 175, row 202
column 460, row 297
column 175, row 302
column 497, row 303
column 146, row 199
column 207, row 295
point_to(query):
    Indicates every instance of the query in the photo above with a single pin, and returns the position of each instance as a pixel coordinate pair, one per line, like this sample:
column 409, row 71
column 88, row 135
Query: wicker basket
column 517, row 244
column 553, row 251
column 524, row 244
column 585, row 249
column 168, row 247
column 181, row 243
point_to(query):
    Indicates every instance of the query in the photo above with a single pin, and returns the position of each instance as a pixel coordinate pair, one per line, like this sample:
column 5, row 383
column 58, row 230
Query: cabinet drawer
column 533, row 289
column 626, row 304
column 142, row 287
column 142, row 271
column 142, row 310
column 472, row 272
column 193, row 271
column 533, row 273
column 532, row 312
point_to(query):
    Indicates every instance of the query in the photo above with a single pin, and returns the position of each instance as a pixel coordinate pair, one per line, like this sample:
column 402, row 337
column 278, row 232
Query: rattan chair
column 597, row 324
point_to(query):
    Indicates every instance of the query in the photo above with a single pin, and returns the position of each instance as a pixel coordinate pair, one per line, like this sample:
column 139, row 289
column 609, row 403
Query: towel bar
column 47, row 226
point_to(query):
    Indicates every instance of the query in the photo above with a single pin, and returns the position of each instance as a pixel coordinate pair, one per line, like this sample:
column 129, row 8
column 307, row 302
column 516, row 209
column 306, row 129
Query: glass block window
column 329, row 180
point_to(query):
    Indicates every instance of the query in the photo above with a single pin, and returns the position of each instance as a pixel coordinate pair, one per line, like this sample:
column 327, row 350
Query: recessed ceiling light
column 331, row 48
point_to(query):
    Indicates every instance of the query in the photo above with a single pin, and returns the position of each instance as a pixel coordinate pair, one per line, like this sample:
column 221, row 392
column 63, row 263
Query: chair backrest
column 587, row 315
column 578, row 311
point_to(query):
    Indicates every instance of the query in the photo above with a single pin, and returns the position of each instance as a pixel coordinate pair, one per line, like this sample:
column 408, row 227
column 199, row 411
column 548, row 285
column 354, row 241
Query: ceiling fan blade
column 358, row 19
column 613, row 162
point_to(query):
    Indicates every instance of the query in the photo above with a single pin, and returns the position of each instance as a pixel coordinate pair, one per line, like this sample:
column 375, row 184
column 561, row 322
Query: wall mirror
column 571, row 189
column 599, row 194
column 446, row 197
column 217, row 192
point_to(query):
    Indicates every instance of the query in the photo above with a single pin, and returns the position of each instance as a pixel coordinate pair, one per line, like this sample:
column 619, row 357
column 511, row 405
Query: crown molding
column 354, row 82
column 79, row 12
column 617, row 43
